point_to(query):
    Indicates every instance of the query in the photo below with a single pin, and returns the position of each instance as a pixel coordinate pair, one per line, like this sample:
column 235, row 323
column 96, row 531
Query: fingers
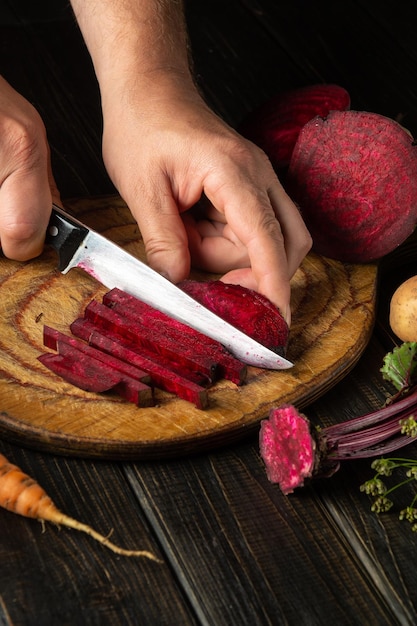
column 25, row 204
column 26, row 178
column 265, row 220
column 297, row 239
column 164, row 235
column 213, row 245
column 251, row 217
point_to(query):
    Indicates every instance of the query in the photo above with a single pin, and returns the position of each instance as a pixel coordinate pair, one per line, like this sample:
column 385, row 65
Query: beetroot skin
column 354, row 177
column 245, row 309
column 275, row 125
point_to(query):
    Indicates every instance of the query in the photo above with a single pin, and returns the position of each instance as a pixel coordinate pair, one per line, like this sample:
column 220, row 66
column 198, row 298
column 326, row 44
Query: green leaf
column 400, row 366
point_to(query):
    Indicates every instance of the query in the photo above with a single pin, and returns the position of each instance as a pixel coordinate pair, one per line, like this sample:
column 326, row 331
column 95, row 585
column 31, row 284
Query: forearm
column 140, row 41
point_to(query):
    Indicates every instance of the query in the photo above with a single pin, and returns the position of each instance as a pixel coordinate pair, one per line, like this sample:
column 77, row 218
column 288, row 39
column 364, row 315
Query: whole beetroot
column 354, row 176
column 274, row 126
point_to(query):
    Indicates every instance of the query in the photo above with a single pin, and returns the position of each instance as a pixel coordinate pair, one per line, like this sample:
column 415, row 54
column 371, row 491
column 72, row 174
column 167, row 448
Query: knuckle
column 23, row 142
column 306, row 242
column 18, row 233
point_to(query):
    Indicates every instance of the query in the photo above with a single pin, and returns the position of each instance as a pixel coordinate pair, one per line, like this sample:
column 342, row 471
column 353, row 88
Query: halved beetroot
column 275, row 125
column 287, row 448
column 245, row 309
column 354, row 176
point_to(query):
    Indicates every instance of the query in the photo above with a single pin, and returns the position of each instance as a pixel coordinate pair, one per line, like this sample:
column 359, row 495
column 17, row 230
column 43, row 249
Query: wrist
column 147, row 90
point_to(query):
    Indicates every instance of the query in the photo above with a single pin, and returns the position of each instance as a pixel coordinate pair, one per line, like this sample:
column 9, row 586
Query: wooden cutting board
column 333, row 315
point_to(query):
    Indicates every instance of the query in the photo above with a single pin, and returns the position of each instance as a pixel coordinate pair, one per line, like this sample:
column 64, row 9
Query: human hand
column 27, row 187
column 164, row 154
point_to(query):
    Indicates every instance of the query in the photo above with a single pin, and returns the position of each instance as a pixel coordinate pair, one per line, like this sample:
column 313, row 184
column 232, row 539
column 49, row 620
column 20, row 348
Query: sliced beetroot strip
column 228, row 366
column 54, row 339
column 82, row 326
column 93, row 376
column 162, row 376
column 149, row 338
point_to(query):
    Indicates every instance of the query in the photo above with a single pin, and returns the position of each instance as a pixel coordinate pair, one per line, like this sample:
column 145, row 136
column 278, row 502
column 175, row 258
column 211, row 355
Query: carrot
column 21, row 494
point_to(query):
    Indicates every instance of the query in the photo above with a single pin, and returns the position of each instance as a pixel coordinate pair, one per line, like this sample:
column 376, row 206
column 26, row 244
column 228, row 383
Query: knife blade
column 77, row 245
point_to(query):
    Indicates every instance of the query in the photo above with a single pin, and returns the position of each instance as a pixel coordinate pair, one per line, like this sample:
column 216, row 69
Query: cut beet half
column 245, row 309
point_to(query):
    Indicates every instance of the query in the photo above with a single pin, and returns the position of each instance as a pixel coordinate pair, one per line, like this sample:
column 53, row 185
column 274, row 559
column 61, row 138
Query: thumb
column 26, row 197
column 24, row 212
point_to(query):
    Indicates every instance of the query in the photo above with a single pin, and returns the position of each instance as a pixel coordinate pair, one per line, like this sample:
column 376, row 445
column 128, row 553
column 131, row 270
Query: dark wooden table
column 234, row 549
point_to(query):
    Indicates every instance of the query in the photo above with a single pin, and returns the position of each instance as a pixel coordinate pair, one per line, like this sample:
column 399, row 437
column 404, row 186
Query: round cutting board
column 333, row 315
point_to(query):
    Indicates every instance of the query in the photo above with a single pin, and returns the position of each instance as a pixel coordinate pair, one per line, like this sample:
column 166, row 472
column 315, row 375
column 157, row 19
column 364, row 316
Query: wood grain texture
column 251, row 555
column 333, row 318
column 60, row 576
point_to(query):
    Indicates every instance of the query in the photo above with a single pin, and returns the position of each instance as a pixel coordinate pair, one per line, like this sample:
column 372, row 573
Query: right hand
column 167, row 150
column 27, row 186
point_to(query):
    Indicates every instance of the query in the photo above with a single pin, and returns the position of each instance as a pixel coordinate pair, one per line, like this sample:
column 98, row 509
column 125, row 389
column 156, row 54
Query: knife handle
column 64, row 234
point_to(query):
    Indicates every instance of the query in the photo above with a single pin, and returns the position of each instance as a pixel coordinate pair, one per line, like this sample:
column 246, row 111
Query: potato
column 403, row 310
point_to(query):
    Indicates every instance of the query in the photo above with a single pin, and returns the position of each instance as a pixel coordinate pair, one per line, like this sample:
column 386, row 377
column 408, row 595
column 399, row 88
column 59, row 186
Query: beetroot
column 293, row 451
column 287, row 448
column 190, row 340
column 245, row 309
column 54, row 339
column 354, row 176
column 91, row 374
column 165, row 376
column 124, row 339
column 151, row 339
column 274, row 126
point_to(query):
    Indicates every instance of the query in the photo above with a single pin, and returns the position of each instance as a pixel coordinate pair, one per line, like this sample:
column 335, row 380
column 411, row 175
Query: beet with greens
column 294, row 452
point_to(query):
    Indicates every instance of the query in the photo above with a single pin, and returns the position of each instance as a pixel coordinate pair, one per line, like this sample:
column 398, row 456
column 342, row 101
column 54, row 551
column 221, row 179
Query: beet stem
column 360, row 438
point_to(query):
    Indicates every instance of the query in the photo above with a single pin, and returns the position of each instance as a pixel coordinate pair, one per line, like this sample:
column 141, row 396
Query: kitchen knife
column 79, row 246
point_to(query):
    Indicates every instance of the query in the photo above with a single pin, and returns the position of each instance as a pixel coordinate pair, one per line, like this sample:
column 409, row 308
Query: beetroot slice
column 245, row 309
column 152, row 339
column 92, row 375
column 275, row 125
column 82, row 328
column 162, row 376
column 54, row 339
column 185, row 337
column 354, row 177
column 287, row 448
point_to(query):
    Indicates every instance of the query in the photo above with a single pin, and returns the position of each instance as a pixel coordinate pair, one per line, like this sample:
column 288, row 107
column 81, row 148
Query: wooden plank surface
column 235, row 550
